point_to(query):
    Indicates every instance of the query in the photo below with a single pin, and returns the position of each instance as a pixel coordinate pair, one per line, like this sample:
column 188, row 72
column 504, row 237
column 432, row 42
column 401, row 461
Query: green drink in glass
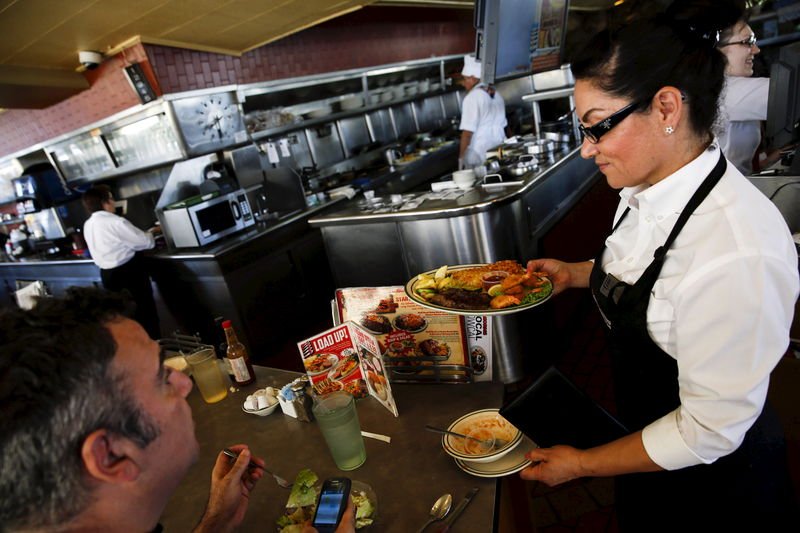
column 338, row 420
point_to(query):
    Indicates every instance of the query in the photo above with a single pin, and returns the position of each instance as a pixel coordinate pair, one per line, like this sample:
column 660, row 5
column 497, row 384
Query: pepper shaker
column 302, row 402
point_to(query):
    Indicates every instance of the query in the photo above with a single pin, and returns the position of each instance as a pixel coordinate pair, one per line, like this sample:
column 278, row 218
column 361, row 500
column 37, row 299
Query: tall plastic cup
column 338, row 420
column 207, row 375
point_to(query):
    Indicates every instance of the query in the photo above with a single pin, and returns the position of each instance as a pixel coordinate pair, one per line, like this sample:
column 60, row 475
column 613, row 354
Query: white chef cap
column 472, row 67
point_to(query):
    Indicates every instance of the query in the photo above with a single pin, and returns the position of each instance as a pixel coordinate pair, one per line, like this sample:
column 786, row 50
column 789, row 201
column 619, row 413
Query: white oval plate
column 509, row 464
column 410, row 289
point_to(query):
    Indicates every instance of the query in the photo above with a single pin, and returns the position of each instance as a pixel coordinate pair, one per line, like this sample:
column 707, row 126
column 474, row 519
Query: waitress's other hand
column 553, row 466
column 560, row 273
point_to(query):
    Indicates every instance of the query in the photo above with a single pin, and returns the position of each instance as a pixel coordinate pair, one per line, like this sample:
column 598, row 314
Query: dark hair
column 56, row 387
column 94, row 198
column 675, row 48
column 743, row 15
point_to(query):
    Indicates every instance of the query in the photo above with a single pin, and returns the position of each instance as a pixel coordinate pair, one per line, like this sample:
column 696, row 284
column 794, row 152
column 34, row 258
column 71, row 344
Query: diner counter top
column 227, row 245
column 425, row 204
column 407, row 475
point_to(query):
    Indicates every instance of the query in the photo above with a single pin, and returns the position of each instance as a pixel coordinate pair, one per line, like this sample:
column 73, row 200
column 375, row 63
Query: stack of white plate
column 351, row 102
column 495, row 462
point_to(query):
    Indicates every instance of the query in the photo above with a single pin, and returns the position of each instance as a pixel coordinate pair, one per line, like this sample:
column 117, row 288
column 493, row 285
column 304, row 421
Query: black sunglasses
column 750, row 41
column 593, row 133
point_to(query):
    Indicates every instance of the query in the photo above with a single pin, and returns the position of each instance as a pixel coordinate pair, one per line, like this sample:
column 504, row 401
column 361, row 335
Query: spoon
column 439, row 510
column 499, row 443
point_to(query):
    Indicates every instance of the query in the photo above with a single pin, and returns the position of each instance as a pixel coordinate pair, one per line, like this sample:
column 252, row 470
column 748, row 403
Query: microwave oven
column 202, row 223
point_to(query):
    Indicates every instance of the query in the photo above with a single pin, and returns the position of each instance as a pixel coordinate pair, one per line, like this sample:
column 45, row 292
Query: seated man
column 95, row 432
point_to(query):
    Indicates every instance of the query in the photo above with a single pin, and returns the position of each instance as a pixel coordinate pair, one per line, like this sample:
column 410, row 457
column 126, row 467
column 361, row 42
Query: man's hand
column 231, row 485
column 348, row 523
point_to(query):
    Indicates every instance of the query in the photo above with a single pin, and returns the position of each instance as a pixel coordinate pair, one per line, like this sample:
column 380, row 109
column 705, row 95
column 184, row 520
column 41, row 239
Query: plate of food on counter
column 411, row 322
column 320, row 363
column 498, row 288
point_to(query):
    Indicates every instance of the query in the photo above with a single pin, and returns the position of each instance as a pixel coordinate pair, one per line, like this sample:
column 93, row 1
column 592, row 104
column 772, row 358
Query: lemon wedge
column 441, row 273
column 495, row 290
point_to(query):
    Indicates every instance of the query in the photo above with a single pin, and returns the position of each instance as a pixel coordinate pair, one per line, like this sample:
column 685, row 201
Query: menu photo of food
column 413, row 340
column 333, row 361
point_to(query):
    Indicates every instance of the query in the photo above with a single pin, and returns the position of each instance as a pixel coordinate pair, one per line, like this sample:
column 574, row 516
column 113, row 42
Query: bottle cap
column 226, row 324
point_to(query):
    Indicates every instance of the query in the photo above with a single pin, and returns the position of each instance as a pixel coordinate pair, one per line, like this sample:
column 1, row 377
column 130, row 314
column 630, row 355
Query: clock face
column 208, row 122
column 216, row 118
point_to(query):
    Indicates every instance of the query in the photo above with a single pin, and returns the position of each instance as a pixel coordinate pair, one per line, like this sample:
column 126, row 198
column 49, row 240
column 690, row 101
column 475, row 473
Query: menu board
column 417, row 344
column 347, row 358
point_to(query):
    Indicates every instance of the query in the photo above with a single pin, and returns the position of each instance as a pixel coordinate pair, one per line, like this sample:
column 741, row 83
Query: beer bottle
column 237, row 354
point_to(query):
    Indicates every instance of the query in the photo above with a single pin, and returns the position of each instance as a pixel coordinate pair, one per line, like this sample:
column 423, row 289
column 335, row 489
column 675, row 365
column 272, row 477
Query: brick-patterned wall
column 370, row 36
column 109, row 93
column 367, row 37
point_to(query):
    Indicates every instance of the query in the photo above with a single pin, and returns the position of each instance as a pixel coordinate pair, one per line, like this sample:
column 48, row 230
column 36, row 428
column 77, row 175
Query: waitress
column 744, row 100
column 114, row 244
column 483, row 116
column 697, row 283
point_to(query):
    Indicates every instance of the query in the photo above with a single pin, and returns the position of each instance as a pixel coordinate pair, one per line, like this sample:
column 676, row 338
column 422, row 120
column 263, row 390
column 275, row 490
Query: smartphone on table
column 332, row 503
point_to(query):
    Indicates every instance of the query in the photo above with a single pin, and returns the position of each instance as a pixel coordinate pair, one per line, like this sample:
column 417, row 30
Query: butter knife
column 458, row 510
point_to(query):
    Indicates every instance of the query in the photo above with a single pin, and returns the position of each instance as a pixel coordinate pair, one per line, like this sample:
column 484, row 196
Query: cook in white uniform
column 113, row 243
column 483, row 117
column 744, row 99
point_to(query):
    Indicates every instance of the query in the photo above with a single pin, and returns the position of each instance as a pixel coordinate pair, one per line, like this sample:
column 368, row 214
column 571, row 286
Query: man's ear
column 110, row 458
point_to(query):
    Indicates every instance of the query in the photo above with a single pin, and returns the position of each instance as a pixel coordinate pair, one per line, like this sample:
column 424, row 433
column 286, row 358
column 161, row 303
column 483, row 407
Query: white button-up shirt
column 742, row 108
column 113, row 240
column 722, row 305
column 485, row 117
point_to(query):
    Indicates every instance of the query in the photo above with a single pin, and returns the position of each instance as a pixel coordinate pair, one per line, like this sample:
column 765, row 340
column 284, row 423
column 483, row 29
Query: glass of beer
column 207, row 374
column 338, row 420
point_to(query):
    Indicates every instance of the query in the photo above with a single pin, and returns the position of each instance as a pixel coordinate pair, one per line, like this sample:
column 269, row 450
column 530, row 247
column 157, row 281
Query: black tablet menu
column 554, row 411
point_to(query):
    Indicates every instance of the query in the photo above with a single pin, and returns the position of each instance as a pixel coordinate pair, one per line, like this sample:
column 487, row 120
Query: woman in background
column 697, row 283
column 744, row 99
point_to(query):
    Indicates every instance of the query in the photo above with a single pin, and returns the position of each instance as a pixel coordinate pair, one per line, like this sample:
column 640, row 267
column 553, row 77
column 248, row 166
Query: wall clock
column 209, row 122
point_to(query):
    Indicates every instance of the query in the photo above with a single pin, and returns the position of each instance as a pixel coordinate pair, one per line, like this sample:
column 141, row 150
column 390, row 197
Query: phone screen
column 328, row 510
column 332, row 502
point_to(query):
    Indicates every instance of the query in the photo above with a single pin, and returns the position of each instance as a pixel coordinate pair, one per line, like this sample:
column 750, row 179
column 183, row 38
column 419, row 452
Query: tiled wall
column 370, row 36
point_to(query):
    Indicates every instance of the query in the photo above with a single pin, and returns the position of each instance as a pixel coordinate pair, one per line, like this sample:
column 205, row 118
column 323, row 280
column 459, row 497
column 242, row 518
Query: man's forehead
column 136, row 352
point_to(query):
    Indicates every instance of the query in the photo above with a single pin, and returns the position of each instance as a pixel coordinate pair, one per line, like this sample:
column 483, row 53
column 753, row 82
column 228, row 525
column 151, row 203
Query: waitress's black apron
column 750, row 487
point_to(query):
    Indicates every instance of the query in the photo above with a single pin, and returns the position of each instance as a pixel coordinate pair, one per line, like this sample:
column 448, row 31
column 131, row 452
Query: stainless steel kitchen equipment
column 190, row 216
column 188, row 224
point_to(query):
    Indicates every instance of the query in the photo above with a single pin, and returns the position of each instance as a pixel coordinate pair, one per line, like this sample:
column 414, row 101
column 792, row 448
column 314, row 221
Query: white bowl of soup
column 486, row 424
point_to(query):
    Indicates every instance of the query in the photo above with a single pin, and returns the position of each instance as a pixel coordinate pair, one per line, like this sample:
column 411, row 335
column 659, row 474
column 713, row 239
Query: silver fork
column 278, row 479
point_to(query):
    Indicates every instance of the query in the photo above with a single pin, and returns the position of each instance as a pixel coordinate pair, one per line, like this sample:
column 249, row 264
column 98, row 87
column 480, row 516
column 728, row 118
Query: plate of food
column 376, row 323
column 344, row 368
column 327, row 385
column 434, row 348
column 356, row 387
column 411, row 322
column 378, row 383
column 320, row 363
column 498, row 288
